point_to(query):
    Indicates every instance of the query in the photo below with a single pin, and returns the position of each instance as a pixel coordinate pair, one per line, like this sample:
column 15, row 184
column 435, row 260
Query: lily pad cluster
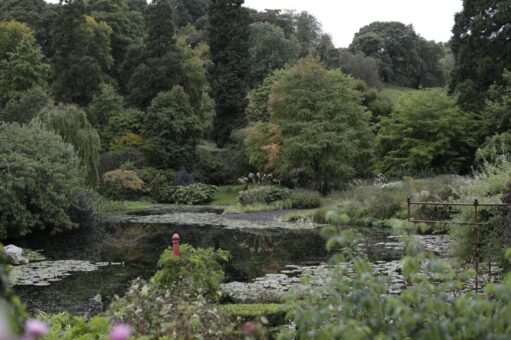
column 45, row 272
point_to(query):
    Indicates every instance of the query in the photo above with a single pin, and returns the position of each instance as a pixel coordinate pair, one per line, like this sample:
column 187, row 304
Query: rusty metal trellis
column 476, row 205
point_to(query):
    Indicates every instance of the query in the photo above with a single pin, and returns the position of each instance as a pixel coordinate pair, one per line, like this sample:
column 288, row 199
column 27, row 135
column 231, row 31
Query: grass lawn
column 394, row 93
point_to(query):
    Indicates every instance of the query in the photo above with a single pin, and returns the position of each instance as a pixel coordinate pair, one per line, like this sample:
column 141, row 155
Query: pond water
column 134, row 249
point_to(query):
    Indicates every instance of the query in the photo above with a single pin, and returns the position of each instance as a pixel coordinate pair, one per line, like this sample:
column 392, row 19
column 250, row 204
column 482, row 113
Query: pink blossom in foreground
column 35, row 329
column 249, row 328
column 120, row 332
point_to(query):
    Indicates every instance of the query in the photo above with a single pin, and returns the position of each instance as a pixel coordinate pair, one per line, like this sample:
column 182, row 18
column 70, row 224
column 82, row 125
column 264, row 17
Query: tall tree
column 23, row 70
column 404, row 57
column 82, row 56
column 269, row 50
column 317, row 126
column 482, row 49
column 229, row 37
column 37, row 14
column 22, row 66
column 308, row 32
column 161, row 62
column 127, row 26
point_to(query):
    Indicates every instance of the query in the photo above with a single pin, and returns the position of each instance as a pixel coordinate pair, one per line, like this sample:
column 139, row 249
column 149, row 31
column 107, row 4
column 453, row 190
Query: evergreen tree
column 82, row 56
column 161, row 63
column 482, row 49
column 229, row 37
column 172, row 129
column 22, row 70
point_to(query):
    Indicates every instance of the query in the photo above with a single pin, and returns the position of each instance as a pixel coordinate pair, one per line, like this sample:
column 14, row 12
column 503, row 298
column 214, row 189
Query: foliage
column 25, row 106
column 193, row 194
column 305, row 200
column 113, row 160
column 269, row 50
column 127, row 26
column 494, row 148
column 172, row 128
column 82, row 58
column 426, row 131
column 196, row 271
column 40, row 180
column 404, row 57
column 70, row 122
column 489, row 184
column 325, row 129
column 263, row 194
column 229, row 45
column 258, row 109
column 258, row 179
column 68, row 327
column 481, row 49
column 273, row 313
column 360, row 66
column 104, row 105
column 120, row 124
column 11, row 309
column 23, row 69
column 157, row 312
column 122, row 185
column 432, row 307
column 263, row 142
column 496, row 112
column 37, row 14
column 162, row 62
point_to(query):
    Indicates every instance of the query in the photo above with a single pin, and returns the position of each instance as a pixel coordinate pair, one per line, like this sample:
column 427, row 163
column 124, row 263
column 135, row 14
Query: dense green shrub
column 122, row 185
column 40, row 180
column 193, row 194
column 157, row 312
column 64, row 326
column 198, row 271
column 11, row 309
column 433, row 306
column 305, row 200
column 264, row 194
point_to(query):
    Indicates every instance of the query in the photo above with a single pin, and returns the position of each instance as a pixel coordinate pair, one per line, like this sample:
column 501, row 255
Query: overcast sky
column 433, row 19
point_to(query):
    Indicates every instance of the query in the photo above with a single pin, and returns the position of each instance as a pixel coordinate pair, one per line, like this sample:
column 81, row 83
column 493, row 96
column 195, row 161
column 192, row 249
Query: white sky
column 433, row 19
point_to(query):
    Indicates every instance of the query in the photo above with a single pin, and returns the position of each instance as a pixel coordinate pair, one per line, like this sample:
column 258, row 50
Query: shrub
column 432, row 307
column 263, row 195
column 194, row 194
column 122, row 185
column 275, row 314
column 40, row 180
column 157, row 312
column 64, row 326
column 305, row 200
column 198, row 271
column 11, row 309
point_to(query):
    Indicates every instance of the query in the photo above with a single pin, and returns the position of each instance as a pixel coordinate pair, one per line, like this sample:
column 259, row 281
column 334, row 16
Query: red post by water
column 175, row 245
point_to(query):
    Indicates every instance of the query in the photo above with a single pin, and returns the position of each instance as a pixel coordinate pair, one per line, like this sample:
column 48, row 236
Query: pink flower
column 120, row 332
column 35, row 329
column 249, row 328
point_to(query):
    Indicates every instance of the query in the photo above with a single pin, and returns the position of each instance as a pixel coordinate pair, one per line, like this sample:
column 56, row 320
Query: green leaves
column 40, row 180
column 426, row 132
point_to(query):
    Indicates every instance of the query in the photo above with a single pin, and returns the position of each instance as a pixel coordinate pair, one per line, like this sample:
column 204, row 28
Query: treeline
column 143, row 87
